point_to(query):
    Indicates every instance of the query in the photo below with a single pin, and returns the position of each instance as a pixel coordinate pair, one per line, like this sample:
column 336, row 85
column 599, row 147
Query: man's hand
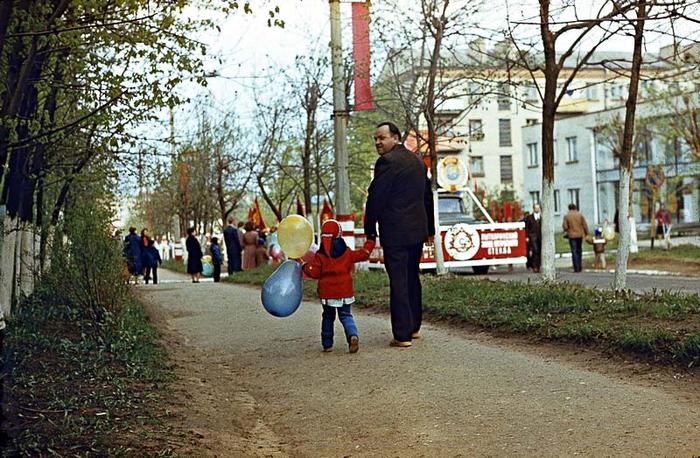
column 369, row 246
column 430, row 240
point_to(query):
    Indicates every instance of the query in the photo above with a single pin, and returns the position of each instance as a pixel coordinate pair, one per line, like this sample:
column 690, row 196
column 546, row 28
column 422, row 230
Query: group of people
column 575, row 230
column 246, row 247
column 142, row 256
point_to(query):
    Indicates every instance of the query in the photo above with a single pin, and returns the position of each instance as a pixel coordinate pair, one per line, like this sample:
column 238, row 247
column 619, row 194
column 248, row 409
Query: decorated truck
column 466, row 241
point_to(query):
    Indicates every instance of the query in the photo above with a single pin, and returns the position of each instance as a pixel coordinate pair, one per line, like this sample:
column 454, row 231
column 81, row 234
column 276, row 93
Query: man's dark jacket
column 399, row 199
column 232, row 241
column 533, row 227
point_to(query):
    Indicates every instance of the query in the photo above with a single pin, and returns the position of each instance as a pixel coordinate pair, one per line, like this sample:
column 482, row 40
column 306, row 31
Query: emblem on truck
column 462, row 242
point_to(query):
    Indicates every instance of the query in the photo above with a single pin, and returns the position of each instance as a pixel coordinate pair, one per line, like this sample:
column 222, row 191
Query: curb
column 660, row 273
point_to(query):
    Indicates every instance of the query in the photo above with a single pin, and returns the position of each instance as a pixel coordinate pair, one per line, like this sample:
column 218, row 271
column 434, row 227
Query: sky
column 252, row 53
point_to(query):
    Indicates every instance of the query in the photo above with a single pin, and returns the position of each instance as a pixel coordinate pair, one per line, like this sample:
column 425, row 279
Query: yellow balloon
column 609, row 233
column 295, row 235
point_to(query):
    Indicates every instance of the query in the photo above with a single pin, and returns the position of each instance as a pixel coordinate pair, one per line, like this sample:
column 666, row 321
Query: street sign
column 655, row 176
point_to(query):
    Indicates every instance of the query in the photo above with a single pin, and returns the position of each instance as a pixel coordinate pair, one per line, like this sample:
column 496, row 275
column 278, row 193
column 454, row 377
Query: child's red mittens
column 369, row 245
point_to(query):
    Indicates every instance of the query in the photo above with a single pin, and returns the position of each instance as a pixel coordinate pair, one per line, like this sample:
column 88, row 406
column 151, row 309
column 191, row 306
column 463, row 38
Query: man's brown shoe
column 354, row 344
column 400, row 344
column 415, row 335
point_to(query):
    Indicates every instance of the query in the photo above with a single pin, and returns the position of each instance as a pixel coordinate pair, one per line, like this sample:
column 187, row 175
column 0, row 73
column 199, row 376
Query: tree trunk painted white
column 547, row 265
column 437, row 241
column 26, row 260
column 623, row 247
column 7, row 264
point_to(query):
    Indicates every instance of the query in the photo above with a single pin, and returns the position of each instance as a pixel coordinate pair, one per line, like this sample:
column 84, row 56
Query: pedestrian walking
column 132, row 253
column 194, row 255
column 533, row 235
column 152, row 260
column 599, row 248
column 663, row 226
column 575, row 229
column 400, row 202
column 250, row 244
column 216, row 258
column 261, row 256
column 333, row 265
column 232, row 240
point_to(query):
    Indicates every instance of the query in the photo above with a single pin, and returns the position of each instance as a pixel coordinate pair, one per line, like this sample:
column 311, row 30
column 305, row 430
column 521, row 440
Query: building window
column 557, row 202
column 555, row 152
column 573, row 197
column 506, row 169
column 572, row 152
column 530, row 93
column 533, row 156
column 476, row 130
column 504, row 133
column 476, row 166
column 592, row 92
column 534, row 198
column 503, row 97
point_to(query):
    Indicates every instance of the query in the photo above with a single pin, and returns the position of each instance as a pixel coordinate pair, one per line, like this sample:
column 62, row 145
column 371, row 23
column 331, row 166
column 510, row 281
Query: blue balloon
column 282, row 291
column 207, row 269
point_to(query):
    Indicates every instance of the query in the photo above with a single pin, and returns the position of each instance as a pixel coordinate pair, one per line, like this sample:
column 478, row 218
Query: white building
column 586, row 172
column 482, row 114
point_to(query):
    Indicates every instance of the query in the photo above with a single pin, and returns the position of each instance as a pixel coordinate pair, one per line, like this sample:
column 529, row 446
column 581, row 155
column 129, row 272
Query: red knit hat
column 330, row 230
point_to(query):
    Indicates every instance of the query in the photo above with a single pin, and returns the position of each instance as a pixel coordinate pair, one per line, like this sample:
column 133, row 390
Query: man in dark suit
column 233, row 246
column 399, row 200
column 533, row 233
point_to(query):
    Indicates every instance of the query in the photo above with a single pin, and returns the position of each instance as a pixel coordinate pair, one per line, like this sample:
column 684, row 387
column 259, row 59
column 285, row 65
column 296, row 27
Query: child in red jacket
column 332, row 265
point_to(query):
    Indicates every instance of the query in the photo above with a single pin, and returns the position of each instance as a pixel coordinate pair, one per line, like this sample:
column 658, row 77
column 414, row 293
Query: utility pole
column 340, row 114
column 340, row 127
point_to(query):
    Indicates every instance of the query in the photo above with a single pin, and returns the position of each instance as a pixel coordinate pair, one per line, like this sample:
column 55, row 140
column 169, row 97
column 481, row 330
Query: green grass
column 685, row 253
column 177, row 266
column 662, row 327
column 561, row 245
column 79, row 388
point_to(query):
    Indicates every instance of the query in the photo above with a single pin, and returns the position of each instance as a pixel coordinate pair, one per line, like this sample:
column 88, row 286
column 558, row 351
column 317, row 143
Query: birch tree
column 563, row 30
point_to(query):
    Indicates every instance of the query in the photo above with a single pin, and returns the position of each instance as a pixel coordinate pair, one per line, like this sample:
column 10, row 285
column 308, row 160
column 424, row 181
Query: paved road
column 449, row 395
column 635, row 282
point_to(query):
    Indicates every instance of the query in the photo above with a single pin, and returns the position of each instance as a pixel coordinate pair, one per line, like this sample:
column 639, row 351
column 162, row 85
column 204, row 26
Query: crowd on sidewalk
column 245, row 246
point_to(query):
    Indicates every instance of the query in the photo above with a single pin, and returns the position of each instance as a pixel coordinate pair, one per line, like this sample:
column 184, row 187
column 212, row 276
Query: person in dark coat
column 232, row 240
column 400, row 201
column 533, row 234
column 152, row 260
column 216, row 257
column 132, row 253
column 194, row 255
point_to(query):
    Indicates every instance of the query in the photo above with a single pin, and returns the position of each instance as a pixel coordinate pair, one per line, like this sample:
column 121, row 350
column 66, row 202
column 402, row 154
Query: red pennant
column 361, row 56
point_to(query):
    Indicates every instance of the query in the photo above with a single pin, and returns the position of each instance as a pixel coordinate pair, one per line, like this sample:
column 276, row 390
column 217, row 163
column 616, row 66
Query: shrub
column 87, row 269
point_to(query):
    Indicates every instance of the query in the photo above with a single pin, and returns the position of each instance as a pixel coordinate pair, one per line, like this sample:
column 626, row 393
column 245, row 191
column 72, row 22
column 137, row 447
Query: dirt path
column 254, row 385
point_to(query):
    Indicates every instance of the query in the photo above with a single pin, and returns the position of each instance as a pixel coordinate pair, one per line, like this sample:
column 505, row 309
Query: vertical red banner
column 361, row 55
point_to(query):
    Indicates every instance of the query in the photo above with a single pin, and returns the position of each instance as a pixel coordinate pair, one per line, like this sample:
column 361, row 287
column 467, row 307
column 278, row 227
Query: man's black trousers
column 406, row 305
column 234, row 261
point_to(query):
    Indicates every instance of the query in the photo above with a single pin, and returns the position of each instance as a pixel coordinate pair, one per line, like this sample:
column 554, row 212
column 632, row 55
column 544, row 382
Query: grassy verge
column 77, row 388
column 661, row 327
column 177, row 266
column 684, row 259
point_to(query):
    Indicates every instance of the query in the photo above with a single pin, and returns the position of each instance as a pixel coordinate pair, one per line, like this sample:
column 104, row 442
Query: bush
column 87, row 269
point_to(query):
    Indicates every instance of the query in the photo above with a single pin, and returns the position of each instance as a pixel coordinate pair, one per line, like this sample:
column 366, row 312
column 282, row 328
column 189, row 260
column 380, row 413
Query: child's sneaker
column 354, row 344
column 327, row 349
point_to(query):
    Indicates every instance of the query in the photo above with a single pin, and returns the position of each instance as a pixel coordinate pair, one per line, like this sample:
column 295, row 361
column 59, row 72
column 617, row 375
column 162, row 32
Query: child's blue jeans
column 346, row 319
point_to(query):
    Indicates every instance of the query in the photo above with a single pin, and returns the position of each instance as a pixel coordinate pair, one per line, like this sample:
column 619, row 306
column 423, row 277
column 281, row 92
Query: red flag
column 361, row 55
column 326, row 212
column 255, row 215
